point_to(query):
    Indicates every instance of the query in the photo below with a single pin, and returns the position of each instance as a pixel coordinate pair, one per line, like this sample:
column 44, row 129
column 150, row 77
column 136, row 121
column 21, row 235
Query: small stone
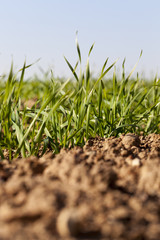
column 136, row 162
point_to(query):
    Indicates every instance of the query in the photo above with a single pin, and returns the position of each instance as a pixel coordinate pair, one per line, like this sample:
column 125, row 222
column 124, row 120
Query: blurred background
column 47, row 30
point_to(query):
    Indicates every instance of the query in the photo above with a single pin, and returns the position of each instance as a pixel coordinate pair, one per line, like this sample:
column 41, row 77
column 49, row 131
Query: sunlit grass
column 66, row 113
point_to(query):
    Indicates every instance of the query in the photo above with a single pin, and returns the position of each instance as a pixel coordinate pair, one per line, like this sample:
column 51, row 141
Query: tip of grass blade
column 78, row 48
column 90, row 50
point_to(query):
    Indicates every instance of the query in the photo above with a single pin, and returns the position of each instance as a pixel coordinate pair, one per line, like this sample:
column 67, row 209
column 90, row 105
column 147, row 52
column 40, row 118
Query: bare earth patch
column 109, row 189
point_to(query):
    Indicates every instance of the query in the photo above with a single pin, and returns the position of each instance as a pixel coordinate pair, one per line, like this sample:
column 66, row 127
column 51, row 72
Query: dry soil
column 109, row 189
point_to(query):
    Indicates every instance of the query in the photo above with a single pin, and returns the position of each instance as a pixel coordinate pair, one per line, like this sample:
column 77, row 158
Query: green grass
column 69, row 112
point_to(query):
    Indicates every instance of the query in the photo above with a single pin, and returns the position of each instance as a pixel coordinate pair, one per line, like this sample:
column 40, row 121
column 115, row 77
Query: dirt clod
column 69, row 222
column 109, row 189
column 130, row 140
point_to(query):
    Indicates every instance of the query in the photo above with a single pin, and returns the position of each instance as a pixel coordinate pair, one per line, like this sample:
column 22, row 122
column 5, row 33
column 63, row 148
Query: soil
column 108, row 189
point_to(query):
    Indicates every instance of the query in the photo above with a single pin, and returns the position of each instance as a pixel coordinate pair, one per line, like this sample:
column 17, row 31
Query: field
column 79, row 158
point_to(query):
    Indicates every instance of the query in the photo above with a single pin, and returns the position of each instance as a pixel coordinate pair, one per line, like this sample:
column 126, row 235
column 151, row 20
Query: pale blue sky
column 46, row 29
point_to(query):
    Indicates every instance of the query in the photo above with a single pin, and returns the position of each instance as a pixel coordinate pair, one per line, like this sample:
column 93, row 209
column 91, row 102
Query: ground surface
column 109, row 189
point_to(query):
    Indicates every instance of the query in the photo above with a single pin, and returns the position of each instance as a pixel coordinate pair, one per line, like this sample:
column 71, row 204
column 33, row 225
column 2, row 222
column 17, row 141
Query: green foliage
column 68, row 113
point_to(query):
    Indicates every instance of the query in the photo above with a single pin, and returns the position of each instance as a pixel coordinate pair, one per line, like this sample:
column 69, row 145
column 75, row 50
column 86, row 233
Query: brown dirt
column 110, row 189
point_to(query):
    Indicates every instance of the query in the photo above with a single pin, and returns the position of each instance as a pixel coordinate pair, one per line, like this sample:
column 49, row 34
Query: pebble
column 136, row 162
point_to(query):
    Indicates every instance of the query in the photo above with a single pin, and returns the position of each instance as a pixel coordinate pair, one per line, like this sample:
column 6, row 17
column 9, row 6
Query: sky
column 35, row 29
